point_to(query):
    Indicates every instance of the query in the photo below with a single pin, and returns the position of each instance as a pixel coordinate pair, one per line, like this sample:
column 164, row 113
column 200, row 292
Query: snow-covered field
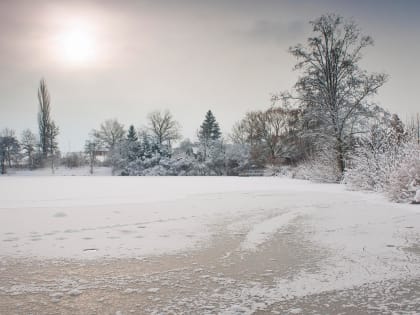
column 205, row 245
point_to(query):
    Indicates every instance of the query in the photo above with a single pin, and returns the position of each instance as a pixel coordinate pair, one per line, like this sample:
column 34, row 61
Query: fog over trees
column 327, row 128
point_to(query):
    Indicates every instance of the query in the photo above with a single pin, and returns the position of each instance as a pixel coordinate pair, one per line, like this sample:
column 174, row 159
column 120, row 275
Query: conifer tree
column 209, row 133
column 146, row 146
column 133, row 146
column 132, row 134
column 209, row 129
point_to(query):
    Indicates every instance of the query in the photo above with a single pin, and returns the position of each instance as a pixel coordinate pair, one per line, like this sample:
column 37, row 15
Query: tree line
column 326, row 126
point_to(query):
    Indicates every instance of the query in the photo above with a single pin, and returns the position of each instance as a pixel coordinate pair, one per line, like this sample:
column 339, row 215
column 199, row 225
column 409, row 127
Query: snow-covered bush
column 394, row 169
column 376, row 153
column 237, row 158
column 321, row 167
column 404, row 178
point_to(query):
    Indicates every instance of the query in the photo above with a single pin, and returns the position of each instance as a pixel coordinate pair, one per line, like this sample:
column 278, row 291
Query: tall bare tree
column 91, row 148
column 333, row 91
column 110, row 133
column 48, row 130
column 44, row 117
column 164, row 127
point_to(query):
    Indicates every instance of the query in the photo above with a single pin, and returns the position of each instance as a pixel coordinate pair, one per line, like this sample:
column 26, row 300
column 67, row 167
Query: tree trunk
column 92, row 158
column 52, row 164
column 3, row 167
column 340, row 157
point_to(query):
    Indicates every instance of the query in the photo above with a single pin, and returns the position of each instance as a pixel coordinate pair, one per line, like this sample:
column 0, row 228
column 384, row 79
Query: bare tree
column 91, row 148
column 52, row 133
column 271, row 134
column 28, row 143
column 333, row 90
column 110, row 133
column 413, row 127
column 3, row 154
column 44, row 119
column 163, row 127
column 276, row 127
column 48, row 130
column 248, row 129
column 9, row 148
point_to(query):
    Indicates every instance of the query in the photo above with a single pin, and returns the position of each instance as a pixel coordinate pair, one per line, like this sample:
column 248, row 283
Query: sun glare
column 76, row 45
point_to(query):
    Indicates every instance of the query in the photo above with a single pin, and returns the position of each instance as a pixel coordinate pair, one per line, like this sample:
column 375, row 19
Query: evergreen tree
column 209, row 129
column 209, row 134
column 132, row 144
column 398, row 130
column 146, row 146
column 132, row 134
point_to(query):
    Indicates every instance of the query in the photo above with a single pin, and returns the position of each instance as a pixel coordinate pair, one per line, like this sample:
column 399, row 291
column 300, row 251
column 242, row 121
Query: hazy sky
column 123, row 59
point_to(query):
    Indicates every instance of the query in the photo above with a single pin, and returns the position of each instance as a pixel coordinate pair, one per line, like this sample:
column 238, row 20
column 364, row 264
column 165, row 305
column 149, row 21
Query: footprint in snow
column 12, row 239
column 90, row 250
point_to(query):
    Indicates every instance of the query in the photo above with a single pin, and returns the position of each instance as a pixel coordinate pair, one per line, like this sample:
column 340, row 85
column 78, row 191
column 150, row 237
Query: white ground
column 315, row 239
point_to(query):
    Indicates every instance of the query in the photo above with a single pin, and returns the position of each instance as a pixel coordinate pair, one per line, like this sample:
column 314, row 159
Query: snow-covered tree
column 9, row 149
column 208, row 135
column 164, row 128
column 209, row 129
column 132, row 145
column 28, row 144
column 186, row 147
column 386, row 159
column 109, row 134
column 333, row 91
column 92, row 147
column 146, row 145
column 48, row 130
column 404, row 176
column 53, row 149
column 132, row 134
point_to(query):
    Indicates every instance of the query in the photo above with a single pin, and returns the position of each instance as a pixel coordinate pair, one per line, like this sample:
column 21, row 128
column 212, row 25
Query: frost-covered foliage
column 333, row 91
column 404, row 178
column 375, row 155
column 386, row 159
column 320, row 167
column 186, row 160
column 182, row 165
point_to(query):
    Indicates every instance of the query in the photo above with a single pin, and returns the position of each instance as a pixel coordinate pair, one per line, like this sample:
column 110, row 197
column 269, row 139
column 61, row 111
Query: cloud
column 278, row 31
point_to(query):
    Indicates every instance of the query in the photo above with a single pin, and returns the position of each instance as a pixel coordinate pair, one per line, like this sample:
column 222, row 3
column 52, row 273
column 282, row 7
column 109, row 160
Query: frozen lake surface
column 204, row 245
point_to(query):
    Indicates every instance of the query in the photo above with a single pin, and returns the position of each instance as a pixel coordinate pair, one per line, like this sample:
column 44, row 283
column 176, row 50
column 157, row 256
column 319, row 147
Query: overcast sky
column 123, row 59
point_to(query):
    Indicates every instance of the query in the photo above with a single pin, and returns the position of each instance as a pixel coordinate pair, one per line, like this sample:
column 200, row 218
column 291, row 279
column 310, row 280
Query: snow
column 360, row 239
column 62, row 171
column 89, row 217
column 263, row 231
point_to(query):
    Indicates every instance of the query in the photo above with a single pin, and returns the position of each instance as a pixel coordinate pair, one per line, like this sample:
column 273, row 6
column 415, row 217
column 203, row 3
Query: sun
column 76, row 45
